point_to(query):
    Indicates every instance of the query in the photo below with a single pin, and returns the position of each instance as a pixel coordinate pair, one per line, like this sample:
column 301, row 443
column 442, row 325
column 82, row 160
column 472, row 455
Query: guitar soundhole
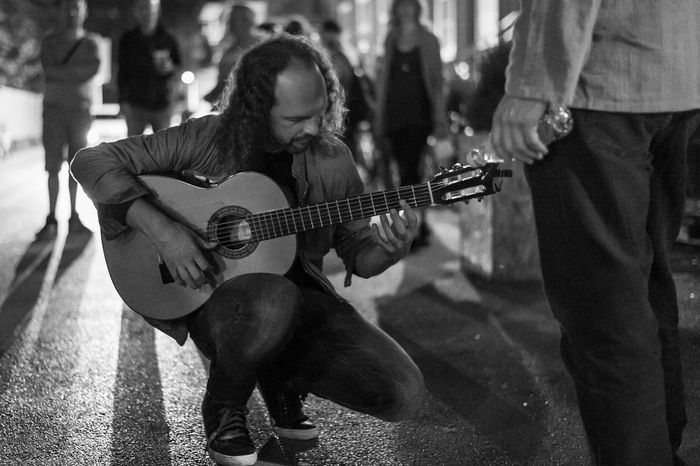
column 229, row 228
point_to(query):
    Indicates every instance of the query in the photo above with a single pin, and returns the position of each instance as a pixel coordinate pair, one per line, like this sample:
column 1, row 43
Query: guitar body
column 249, row 218
column 136, row 270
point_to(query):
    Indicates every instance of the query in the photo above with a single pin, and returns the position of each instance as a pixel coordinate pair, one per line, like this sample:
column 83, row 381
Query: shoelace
column 232, row 425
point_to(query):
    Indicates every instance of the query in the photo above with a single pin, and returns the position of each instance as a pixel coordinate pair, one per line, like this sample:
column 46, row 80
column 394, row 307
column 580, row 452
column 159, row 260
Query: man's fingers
column 184, row 278
column 379, row 238
column 533, row 141
column 386, row 226
column 205, row 244
column 176, row 276
column 410, row 215
column 398, row 224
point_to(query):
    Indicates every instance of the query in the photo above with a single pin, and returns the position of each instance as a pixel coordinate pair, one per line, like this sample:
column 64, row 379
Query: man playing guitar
column 288, row 332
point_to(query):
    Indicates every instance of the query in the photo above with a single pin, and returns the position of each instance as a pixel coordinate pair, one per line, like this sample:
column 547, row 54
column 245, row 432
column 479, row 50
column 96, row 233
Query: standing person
column 291, row 334
column 148, row 59
column 70, row 59
column 608, row 202
column 241, row 26
column 410, row 101
column 355, row 99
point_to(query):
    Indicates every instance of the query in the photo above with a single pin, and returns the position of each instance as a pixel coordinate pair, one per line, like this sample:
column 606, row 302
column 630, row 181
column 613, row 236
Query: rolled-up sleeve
column 551, row 41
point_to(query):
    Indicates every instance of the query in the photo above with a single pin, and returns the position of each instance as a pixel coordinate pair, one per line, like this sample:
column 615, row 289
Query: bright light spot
column 363, row 46
column 187, row 77
column 462, row 70
column 344, row 8
column 93, row 137
column 468, row 131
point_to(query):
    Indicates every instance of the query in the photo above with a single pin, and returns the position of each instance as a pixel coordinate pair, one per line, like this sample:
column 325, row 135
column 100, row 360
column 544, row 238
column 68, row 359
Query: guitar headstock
column 464, row 182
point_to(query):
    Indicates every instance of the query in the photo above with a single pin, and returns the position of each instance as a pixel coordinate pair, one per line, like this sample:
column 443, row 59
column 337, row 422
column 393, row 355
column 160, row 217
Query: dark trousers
column 406, row 147
column 608, row 203
column 264, row 328
column 138, row 119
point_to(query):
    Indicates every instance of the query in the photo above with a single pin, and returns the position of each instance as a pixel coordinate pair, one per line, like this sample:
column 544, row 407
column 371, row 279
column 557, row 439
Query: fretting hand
column 397, row 231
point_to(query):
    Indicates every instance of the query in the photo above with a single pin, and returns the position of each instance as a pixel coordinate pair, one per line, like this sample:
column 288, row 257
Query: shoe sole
column 297, row 434
column 227, row 460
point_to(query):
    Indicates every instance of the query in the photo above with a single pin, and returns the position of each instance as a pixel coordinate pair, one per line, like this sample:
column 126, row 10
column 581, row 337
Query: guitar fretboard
column 283, row 222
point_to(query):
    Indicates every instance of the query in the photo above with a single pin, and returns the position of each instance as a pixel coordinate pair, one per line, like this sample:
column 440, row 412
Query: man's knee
column 278, row 302
column 403, row 399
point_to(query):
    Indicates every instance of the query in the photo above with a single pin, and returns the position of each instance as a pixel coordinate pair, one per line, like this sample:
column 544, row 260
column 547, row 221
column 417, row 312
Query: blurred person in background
column 298, row 25
column 148, row 61
column 356, row 98
column 244, row 34
column 70, row 60
column 269, row 28
column 410, row 102
column 608, row 202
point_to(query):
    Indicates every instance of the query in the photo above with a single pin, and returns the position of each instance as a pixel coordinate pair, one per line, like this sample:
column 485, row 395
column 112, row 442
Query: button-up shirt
column 610, row 55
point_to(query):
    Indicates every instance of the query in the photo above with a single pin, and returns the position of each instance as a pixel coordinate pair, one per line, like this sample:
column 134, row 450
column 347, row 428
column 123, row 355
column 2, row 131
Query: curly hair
column 250, row 95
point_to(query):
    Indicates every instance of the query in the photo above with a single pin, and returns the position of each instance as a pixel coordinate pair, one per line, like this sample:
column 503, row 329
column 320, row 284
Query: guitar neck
column 283, row 222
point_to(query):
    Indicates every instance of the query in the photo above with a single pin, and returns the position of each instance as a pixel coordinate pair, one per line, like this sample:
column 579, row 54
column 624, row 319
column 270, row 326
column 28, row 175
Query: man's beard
column 296, row 145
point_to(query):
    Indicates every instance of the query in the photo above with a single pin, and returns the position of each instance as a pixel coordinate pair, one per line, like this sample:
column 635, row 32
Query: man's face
column 300, row 103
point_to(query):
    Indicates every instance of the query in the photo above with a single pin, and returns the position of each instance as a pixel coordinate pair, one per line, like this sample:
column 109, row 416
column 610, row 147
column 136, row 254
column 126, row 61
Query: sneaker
column 76, row 226
column 49, row 230
column 287, row 418
column 228, row 440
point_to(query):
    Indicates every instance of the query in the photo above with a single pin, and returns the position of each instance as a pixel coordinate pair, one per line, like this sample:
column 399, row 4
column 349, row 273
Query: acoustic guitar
column 249, row 218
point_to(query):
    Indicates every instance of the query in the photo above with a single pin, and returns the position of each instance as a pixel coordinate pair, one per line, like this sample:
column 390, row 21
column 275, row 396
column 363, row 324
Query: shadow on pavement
column 74, row 247
column 29, row 279
column 25, row 288
column 467, row 367
column 139, row 427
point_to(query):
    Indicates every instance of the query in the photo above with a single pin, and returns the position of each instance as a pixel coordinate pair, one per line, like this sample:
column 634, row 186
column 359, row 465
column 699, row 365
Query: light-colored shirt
column 635, row 56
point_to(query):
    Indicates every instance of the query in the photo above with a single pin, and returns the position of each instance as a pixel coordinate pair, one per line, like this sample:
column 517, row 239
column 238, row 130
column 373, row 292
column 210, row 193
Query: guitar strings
column 262, row 224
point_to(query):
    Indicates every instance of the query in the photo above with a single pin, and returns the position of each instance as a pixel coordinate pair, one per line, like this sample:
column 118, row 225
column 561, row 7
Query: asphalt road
column 84, row 381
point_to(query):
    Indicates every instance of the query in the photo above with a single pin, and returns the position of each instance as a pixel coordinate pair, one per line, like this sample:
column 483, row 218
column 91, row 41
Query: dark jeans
column 263, row 327
column 608, row 205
